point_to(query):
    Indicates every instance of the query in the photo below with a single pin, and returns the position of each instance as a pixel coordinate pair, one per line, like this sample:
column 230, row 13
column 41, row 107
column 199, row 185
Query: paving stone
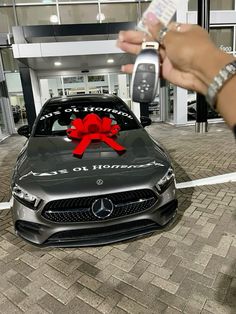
column 214, row 266
column 160, row 271
column 193, row 307
column 179, row 274
column 89, row 282
column 90, row 297
column 118, row 310
column 172, row 300
column 201, row 279
column 139, row 268
column 123, row 265
column 133, row 307
column 73, row 306
column 19, row 280
column 186, row 288
column 165, row 284
column 51, row 304
column 217, row 308
column 8, row 307
column 110, row 303
column 128, row 278
column 63, row 280
column 15, row 295
column 88, row 269
column 36, row 309
column 171, row 310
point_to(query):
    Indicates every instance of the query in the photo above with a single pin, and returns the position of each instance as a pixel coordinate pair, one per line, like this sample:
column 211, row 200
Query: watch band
column 218, row 82
column 234, row 130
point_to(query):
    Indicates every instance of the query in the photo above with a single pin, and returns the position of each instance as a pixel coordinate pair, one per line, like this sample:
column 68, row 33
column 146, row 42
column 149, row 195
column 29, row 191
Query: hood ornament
column 99, row 182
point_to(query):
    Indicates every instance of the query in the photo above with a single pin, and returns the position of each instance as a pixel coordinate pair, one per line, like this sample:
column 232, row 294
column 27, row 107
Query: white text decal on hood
column 91, row 168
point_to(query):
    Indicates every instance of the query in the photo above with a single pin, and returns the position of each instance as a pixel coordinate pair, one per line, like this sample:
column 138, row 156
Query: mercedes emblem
column 99, row 182
column 102, row 208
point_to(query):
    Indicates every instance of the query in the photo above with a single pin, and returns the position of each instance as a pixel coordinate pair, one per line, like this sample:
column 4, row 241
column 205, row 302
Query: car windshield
column 55, row 119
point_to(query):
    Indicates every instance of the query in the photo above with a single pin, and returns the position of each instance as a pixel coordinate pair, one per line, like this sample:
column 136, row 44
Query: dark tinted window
column 56, row 119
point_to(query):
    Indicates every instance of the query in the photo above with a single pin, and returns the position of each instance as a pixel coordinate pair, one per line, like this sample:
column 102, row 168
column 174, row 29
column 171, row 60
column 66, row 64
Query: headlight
column 25, row 197
column 165, row 182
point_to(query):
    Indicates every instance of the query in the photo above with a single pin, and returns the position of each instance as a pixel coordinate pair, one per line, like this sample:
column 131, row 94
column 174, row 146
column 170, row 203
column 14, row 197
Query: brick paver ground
column 9, row 149
column 188, row 268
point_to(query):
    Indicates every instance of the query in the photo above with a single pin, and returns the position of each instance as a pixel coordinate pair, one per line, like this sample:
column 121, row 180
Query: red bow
column 92, row 127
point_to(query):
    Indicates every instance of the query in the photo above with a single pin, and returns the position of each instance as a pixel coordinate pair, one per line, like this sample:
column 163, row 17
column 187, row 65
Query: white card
column 164, row 10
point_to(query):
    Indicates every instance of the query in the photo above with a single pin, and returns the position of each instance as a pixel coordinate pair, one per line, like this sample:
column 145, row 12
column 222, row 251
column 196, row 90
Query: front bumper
column 31, row 226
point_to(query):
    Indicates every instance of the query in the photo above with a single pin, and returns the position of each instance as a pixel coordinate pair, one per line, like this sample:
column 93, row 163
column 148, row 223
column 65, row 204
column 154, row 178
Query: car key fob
column 145, row 77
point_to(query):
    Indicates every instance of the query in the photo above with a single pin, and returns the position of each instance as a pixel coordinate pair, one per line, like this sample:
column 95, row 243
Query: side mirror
column 24, row 130
column 145, row 121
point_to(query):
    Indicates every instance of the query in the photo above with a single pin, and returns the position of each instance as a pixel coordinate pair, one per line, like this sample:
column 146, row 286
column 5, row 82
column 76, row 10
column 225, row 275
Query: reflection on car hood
column 48, row 164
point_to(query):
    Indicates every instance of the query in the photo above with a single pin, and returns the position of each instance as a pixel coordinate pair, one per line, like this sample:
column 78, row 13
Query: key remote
column 145, row 76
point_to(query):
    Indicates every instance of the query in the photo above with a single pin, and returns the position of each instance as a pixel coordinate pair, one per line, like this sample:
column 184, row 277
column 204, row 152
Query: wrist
column 213, row 62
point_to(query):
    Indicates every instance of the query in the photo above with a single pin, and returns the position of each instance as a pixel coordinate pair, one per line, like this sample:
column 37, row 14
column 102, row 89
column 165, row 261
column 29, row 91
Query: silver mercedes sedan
column 90, row 174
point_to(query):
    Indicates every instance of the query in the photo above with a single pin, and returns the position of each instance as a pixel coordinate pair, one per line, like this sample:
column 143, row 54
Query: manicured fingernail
column 151, row 19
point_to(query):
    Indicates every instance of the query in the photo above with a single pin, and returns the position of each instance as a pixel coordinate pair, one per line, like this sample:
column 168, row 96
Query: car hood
column 47, row 165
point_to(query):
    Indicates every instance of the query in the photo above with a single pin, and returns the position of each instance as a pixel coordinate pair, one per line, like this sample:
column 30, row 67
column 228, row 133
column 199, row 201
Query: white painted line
column 224, row 178
column 6, row 205
column 2, row 139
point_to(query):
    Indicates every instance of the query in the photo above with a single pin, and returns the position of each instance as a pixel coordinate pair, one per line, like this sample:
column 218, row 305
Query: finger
column 178, row 27
column 155, row 28
column 182, row 79
column 133, row 37
column 127, row 47
column 127, row 68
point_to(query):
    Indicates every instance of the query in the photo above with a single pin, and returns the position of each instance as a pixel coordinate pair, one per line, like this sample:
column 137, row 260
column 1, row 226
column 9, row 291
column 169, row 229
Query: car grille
column 79, row 209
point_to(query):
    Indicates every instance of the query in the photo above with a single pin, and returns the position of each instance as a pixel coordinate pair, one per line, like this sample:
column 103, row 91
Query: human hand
column 189, row 57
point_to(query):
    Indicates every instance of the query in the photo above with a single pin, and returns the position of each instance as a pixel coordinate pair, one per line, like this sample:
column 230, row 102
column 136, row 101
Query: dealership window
column 78, row 13
column 215, row 5
column 144, row 6
column 74, row 85
column 9, row 63
column 35, row 1
column 120, row 12
column 223, row 37
column 7, row 19
column 5, row 2
column 14, row 87
column 3, row 128
column 36, row 15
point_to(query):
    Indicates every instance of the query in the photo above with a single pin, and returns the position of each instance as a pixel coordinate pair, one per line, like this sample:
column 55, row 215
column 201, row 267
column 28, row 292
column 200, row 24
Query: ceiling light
column 110, row 60
column 57, row 63
column 100, row 17
column 54, row 19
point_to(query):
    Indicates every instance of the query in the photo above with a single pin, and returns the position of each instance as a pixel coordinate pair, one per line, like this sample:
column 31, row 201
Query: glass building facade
column 49, row 12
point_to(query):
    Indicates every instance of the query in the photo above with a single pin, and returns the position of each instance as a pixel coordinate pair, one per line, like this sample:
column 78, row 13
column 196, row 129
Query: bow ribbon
column 92, row 127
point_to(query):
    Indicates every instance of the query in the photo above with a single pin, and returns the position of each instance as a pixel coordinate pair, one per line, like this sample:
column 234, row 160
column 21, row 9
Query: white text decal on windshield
column 88, row 110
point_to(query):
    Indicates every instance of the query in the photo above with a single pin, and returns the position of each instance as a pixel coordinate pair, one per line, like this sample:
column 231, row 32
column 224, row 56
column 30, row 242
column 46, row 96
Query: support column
column 144, row 110
column 180, row 106
column 202, row 106
column 5, row 106
column 28, row 93
column 122, row 83
column 44, row 88
column 36, row 91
